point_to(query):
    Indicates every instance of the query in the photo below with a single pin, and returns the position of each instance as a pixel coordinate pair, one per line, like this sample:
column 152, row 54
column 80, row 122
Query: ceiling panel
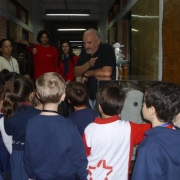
column 93, row 5
column 52, row 23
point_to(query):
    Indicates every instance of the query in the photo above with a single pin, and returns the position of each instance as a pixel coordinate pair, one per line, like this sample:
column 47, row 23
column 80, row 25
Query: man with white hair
column 96, row 59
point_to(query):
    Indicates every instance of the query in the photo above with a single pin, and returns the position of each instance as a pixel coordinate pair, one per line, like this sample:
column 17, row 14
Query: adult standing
column 67, row 61
column 45, row 56
column 96, row 59
column 6, row 60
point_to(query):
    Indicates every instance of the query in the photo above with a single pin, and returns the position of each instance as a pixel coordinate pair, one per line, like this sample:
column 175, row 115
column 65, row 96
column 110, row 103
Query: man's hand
column 84, row 80
column 34, row 50
column 92, row 61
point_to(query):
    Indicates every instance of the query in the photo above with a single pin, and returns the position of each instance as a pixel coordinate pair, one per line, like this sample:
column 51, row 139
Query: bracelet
column 31, row 45
column 85, row 76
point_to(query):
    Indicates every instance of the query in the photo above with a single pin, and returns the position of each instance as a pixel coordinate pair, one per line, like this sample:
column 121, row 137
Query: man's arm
column 80, row 70
column 104, row 71
column 27, row 43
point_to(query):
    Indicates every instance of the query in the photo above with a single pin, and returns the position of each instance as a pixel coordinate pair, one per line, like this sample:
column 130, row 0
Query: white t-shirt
column 109, row 144
column 11, row 66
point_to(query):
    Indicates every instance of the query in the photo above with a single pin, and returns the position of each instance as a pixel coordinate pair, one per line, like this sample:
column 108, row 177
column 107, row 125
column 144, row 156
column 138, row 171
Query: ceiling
column 54, row 22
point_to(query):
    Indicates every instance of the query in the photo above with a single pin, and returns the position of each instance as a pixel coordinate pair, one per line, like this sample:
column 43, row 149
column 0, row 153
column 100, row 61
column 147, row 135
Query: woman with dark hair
column 67, row 60
column 17, row 110
column 6, row 60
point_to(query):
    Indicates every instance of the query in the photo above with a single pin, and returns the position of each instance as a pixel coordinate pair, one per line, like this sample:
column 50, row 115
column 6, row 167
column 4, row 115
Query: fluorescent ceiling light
column 71, row 29
column 75, row 41
column 67, row 12
column 138, row 16
column 134, row 30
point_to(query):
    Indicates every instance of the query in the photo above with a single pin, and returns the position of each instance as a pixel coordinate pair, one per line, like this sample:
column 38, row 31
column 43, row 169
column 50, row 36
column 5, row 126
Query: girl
column 5, row 143
column 17, row 111
column 6, row 60
column 67, row 64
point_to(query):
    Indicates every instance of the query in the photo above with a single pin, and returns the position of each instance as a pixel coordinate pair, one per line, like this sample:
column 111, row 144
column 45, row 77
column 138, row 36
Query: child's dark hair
column 1, row 92
column 15, row 94
column 76, row 93
column 111, row 99
column 165, row 98
column 5, row 75
column 40, row 33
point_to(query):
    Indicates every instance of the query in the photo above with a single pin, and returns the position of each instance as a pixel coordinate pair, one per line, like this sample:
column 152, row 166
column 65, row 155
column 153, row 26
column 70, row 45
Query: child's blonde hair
column 50, row 87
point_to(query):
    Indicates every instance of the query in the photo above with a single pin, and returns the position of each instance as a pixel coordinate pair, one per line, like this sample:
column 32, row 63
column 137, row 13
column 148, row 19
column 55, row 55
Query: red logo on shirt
column 100, row 168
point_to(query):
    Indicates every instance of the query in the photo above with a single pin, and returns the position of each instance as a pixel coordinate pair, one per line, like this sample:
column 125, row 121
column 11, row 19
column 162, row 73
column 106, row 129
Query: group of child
column 48, row 146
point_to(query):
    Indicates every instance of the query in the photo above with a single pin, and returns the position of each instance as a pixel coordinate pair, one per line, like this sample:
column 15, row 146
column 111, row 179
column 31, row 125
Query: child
column 109, row 141
column 158, row 154
column 5, row 143
column 54, row 148
column 17, row 110
column 77, row 94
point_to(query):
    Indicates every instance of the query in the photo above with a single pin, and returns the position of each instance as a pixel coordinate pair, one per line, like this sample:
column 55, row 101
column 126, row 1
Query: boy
column 109, row 141
column 158, row 154
column 53, row 148
column 77, row 95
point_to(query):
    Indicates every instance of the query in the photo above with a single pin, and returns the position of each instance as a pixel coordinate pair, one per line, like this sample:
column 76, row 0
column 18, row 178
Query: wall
column 35, row 24
column 171, row 41
column 145, row 40
column 3, row 27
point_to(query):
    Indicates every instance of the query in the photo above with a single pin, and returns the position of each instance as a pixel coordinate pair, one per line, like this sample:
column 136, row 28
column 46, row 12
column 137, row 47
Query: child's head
column 50, row 88
column 164, row 97
column 16, row 92
column 111, row 99
column 5, row 75
column 76, row 93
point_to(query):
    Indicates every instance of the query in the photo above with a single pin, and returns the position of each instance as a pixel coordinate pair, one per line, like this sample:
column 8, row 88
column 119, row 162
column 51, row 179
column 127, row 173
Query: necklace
column 44, row 110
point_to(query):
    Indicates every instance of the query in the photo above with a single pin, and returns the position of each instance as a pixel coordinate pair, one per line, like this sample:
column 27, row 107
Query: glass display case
column 134, row 90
